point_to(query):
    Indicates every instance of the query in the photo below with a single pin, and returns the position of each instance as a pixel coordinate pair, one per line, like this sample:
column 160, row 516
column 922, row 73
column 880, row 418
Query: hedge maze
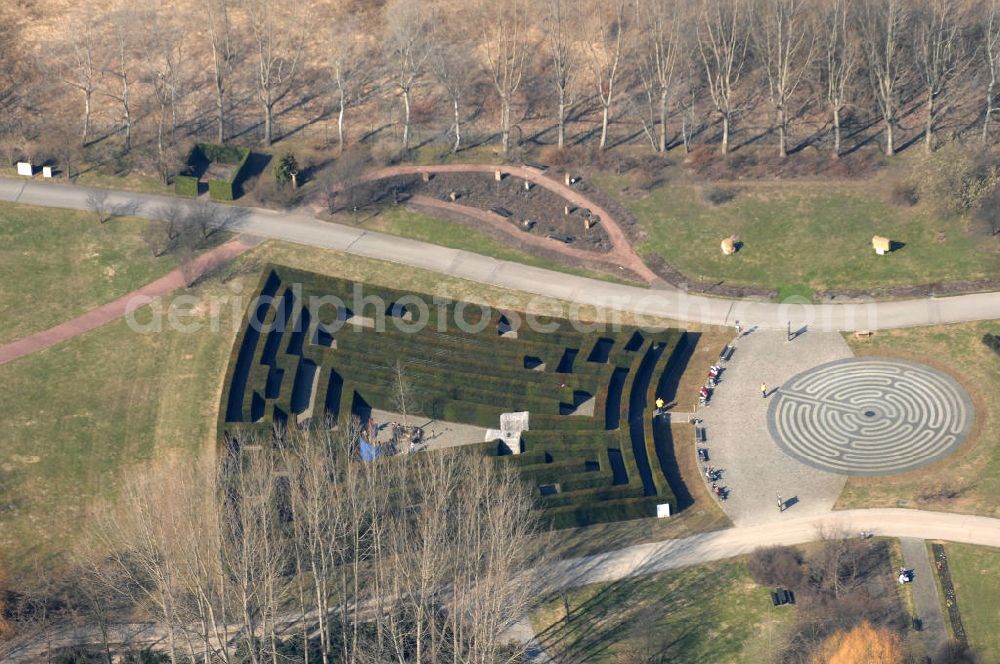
column 328, row 349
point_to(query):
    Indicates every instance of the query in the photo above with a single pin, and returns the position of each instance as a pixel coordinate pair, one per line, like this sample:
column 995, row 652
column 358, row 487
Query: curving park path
column 110, row 311
column 612, row 566
column 671, row 304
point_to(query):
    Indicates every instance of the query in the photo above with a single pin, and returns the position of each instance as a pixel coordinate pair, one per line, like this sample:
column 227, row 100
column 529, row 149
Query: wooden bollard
column 425, row 176
column 566, row 211
column 569, row 180
column 498, row 175
column 527, row 186
column 453, row 196
column 588, row 224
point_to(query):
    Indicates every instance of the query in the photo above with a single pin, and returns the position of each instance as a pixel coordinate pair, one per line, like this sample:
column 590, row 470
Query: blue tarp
column 368, row 452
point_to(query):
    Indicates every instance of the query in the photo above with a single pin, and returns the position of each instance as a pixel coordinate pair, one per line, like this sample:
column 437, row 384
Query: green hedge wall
column 186, row 185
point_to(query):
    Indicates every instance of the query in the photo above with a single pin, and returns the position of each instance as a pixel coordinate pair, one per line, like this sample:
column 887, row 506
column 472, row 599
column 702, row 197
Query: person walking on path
column 763, row 390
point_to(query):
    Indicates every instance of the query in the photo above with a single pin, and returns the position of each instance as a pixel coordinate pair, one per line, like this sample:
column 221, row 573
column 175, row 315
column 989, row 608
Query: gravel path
column 926, row 598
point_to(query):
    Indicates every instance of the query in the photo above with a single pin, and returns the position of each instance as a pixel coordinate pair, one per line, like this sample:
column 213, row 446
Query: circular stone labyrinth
column 870, row 416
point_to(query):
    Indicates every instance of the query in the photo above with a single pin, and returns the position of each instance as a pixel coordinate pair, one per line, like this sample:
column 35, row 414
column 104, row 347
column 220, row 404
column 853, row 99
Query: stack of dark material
column 780, row 597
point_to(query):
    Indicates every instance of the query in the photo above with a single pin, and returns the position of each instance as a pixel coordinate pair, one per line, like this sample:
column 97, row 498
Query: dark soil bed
column 538, row 205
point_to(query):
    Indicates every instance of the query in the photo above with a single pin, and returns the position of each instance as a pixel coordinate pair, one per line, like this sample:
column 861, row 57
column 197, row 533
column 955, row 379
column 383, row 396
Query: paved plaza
column 754, row 468
column 870, row 416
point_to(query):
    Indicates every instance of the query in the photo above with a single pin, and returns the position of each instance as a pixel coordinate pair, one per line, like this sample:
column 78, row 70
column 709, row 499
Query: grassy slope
column 57, row 264
column 806, row 236
column 977, row 586
column 711, row 613
column 975, row 469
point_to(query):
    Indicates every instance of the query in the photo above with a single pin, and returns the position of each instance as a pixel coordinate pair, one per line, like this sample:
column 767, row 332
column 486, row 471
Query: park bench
column 501, row 211
column 703, row 454
column 726, row 353
column 565, row 239
column 699, row 435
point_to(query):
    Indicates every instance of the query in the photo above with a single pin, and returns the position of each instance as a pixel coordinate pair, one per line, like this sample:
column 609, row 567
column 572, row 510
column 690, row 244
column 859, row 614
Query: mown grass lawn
column 971, row 475
column 977, row 587
column 58, row 264
column 711, row 613
column 802, row 237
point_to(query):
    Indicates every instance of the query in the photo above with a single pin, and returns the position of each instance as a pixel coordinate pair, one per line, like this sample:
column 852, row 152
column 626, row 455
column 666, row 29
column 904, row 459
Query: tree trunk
column 220, row 112
column 989, row 109
column 929, row 132
column 458, row 127
column 836, row 132
column 505, row 124
column 340, row 120
column 86, row 117
column 604, row 127
column 782, row 135
column 406, row 119
column 268, row 127
column 725, row 133
column 663, row 121
column 562, row 117
column 890, row 146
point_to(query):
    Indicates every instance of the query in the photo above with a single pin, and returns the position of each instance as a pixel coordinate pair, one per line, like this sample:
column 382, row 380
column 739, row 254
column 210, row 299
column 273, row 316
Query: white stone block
column 24, row 168
column 46, row 171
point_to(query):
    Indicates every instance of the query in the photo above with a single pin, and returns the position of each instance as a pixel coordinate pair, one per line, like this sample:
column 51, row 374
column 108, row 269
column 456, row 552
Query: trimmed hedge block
column 186, row 185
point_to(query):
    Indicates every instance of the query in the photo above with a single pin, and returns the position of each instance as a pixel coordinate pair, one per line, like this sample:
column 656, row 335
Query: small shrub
column 718, row 195
column 270, row 194
column 992, row 342
column 777, row 566
column 904, row 194
column 286, row 167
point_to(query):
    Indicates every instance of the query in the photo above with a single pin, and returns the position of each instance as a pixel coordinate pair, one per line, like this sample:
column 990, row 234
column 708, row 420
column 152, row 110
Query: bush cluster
column 992, row 342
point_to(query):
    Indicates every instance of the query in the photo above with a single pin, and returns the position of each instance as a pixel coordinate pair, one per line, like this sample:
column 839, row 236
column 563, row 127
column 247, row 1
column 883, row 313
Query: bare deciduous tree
column 562, row 56
column 991, row 55
column 658, row 24
column 224, row 57
column 937, row 51
column 81, row 70
column 505, row 48
column 124, row 25
column 785, row 47
column 454, row 72
column 277, row 42
column 722, row 43
column 408, row 40
column 838, row 62
column 97, row 202
column 883, row 26
column 606, row 52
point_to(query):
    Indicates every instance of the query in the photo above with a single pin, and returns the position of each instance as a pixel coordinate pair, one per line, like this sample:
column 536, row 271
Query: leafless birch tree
column 81, row 71
column 991, row 57
column 505, row 51
column 937, row 50
column 224, row 56
column 558, row 29
column 277, row 42
column 838, row 61
column 608, row 25
column 883, row 24
column 722, row 43
column 121, row 68
column 408, row 42
column 785, row 46
column 658, row 24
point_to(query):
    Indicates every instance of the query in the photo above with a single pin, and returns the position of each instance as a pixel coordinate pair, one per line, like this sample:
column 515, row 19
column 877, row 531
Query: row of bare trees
column 404, row 559
column 667, row 69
